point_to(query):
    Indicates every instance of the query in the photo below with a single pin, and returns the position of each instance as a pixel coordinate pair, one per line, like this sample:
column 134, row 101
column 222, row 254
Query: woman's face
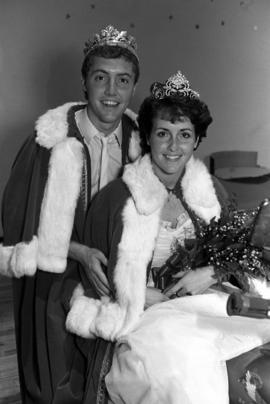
column 172, row 145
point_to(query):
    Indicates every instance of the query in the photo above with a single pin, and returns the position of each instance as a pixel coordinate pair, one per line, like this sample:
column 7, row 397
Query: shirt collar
column 89, row 131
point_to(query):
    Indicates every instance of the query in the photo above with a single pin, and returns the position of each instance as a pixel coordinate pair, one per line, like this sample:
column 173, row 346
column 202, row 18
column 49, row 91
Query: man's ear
column 134, row 89
column 83, row 84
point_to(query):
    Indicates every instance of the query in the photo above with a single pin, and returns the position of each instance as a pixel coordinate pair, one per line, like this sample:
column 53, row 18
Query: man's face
column 110, row 87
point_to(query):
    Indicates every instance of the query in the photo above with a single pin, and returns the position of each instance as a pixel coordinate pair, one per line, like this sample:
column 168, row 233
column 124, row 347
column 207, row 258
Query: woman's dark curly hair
column 173, row 108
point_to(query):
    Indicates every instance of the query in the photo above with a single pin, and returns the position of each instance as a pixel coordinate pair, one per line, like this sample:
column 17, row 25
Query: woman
column 162, row 199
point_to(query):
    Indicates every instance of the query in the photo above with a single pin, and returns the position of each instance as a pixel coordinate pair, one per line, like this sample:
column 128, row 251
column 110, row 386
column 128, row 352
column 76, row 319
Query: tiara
column 112, row 37
column 176, row 85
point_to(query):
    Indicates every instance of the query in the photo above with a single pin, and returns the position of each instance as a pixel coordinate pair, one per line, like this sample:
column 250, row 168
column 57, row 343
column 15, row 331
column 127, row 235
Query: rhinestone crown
column 112, row 37
column 176, row 85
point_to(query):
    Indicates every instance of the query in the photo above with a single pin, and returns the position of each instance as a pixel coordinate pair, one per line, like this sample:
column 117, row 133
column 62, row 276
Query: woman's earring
column 196, row 144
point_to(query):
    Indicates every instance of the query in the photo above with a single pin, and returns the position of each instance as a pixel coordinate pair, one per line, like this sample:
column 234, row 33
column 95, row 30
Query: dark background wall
column 223, row 47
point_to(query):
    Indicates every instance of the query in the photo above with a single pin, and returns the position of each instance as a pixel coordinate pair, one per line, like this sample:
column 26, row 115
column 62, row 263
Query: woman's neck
column 168, row 180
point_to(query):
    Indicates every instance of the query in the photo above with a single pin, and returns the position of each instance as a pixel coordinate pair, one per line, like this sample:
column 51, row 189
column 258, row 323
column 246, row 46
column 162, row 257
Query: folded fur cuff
column 110, row 320
column 24, row 258
column 90, row 318
column 82, row 315
column 19, row 260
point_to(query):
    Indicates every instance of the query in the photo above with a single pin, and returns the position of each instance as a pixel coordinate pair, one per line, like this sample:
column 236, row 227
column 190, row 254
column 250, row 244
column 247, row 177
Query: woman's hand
column 192, row 282
column 153, row 296
column 92, row 260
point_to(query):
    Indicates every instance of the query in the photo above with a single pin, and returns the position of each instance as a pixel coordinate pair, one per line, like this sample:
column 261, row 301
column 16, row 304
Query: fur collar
column 198, row 189
column 199, row 192
column 52, row 127
column 146, row 189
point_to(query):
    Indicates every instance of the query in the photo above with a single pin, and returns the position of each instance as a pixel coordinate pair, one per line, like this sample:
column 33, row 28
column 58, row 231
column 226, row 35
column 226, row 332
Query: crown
column 176, row 85
column 112, row 37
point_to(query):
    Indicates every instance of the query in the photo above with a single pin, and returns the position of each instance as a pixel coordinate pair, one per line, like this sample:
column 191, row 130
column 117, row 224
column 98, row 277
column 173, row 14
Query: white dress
column 177, row 353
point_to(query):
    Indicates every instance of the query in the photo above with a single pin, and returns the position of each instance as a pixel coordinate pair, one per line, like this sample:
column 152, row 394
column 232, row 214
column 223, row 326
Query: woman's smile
column 172, row 145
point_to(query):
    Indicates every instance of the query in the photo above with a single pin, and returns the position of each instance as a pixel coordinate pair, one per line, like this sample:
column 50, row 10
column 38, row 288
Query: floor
column 9, row 385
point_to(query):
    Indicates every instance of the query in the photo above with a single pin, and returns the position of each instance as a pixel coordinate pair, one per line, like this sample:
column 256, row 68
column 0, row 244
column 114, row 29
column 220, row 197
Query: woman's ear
column 196, row 143
column 84, row 88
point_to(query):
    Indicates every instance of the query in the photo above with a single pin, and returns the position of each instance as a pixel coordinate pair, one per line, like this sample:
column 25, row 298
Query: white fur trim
column 58, row 205
column 132, row 115
column 108, row 319
column 199, row 191
column 147, row 191
column 52, row 127
column 81, row 316
column 134, row 150
column 134, row 254
column 24, row 258
column 78, row 291
column 19, row 260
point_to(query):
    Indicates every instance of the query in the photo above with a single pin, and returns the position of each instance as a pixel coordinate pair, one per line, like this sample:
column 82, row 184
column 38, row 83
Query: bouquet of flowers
column 237, row 246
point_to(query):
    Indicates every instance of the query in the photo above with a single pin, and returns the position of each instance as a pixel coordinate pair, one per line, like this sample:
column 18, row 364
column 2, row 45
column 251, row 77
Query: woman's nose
column 174, row 144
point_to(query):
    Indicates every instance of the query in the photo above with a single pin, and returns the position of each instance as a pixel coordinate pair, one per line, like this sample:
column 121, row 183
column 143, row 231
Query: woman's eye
column 162, row 133
column 186, row 135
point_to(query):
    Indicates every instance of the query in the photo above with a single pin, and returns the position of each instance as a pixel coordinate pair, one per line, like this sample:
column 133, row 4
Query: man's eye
column 99, row 77
column 123, row 81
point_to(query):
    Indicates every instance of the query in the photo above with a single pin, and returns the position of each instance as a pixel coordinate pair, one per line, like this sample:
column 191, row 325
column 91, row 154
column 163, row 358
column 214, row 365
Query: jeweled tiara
column 176, row 85
column 112, row 37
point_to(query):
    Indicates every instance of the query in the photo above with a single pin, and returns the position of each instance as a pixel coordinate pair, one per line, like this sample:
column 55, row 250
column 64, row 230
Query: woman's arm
column 193, row 282
column 154, row 296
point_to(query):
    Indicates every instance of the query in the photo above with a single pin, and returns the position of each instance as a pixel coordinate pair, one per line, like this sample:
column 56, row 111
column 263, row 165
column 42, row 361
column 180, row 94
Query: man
column 76, row 149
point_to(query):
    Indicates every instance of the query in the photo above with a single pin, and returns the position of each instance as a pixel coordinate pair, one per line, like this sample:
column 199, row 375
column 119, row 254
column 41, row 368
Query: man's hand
column 192, row 282
column 154, row 296
column 92, row 260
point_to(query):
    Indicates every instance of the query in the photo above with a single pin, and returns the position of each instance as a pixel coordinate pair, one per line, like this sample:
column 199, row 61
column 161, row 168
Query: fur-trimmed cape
column 108, row 318
column 48, row 249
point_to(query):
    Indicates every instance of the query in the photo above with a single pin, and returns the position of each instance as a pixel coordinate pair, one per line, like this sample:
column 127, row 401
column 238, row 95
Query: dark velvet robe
column 52, row 362
column 103, row 230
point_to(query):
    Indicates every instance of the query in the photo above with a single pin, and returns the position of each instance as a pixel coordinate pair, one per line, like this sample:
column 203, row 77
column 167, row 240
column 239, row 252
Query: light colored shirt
column 105, row 151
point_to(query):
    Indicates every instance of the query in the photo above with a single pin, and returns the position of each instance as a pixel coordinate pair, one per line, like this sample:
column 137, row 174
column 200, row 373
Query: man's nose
column 111, row 87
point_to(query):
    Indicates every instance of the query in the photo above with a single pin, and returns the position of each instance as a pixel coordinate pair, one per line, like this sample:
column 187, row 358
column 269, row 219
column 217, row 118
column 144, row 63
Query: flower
column 233, row 245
